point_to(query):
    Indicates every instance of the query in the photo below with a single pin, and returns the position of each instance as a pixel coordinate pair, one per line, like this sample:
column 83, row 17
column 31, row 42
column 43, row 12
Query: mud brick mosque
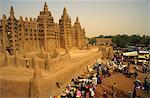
column 28, row 35
column 35, row 54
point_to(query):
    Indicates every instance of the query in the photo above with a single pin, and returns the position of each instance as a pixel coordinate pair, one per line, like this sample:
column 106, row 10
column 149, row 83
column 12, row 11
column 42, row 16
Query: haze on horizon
column 98, row 17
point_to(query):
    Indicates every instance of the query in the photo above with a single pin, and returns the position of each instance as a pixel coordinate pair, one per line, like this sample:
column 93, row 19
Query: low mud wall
column 28, row 62
column 64, row 76
column 14, row 89
column 2, row 60
column 46, row 85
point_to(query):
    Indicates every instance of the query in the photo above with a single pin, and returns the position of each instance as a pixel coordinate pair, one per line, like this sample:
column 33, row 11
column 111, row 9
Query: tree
column 145, row 40
column 100, row 36
column 120, row 40
column 134, row 39
column 125, row 40
column 92, row 40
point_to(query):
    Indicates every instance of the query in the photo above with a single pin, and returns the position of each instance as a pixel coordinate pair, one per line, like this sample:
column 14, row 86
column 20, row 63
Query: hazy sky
column 96, row 16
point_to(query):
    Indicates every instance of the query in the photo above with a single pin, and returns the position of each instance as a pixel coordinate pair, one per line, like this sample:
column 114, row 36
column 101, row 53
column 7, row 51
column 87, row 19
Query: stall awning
column 133, row 53
column 144, row 52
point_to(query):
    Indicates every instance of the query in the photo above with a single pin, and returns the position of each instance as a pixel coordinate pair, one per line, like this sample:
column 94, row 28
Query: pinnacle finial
column 11, row 11
column 64, row 11
column 26, row 19
column 34, row 19
column 45, row 7
column 4, row 16
column 30, row 19
column 21, row 18
column 77, row 19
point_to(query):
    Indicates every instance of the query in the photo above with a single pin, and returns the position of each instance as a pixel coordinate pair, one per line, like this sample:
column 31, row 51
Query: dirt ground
column 124, row 84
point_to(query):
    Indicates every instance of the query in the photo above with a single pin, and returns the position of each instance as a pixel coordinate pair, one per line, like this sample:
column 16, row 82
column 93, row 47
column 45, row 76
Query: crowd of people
column 84, row 85
column 138, row 86
column 132, row 70
column 145, row 68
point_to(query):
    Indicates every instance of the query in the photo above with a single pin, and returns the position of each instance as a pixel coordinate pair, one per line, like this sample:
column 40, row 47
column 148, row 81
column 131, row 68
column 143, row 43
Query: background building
column 105, row 46
column 104, row 41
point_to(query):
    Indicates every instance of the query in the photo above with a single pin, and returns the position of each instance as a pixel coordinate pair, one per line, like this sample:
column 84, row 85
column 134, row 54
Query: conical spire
column 77, row 19
column 21, row 18
column 34, row 19
column 11, row 11
column 4, row 17
column 64, row 11
column 45, row 7
column 30, row 19
column 26, row 19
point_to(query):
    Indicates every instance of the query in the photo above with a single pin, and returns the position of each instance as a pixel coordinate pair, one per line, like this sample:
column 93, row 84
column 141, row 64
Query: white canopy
column 144, row 52
column 133, row 53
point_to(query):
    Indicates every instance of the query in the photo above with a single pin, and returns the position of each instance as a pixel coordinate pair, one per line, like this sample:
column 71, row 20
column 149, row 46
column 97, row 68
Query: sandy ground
column 124, row 84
